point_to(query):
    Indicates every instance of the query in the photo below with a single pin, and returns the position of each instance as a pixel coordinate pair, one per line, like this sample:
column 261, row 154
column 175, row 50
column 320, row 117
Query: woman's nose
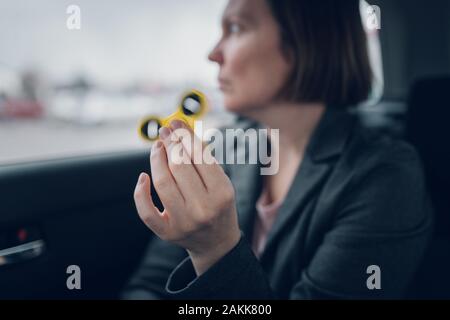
column 216, row 55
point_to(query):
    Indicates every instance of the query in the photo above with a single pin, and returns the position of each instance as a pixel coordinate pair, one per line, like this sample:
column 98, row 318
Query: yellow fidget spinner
column 192, row 107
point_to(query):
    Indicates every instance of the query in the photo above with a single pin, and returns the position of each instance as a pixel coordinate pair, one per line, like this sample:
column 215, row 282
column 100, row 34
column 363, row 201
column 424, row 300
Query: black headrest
column 428, row 121
column 428, row 129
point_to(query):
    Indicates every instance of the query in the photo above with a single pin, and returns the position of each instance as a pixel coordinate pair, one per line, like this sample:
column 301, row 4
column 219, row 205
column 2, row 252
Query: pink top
column 266, row 214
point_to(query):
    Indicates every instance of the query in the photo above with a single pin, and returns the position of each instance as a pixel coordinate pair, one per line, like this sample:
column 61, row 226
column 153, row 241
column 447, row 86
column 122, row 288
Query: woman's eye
column 235, row 28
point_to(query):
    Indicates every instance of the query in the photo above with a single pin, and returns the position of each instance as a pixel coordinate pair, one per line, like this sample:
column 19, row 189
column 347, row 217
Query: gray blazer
column 358, row 200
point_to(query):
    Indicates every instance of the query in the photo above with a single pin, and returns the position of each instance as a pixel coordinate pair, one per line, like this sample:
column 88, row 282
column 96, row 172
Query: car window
column 76, row 80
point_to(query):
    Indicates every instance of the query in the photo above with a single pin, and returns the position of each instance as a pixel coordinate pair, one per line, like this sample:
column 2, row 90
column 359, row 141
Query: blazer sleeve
column 382, row 220
column 149, row 281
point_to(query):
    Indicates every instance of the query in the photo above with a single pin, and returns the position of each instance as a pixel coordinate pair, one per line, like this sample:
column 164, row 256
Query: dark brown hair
column 329, row 47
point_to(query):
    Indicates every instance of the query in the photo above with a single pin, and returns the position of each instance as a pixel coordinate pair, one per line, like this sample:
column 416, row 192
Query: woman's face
column 253, row 68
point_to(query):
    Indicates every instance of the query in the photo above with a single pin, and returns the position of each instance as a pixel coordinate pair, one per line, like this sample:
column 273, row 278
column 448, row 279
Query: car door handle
column 22, row 253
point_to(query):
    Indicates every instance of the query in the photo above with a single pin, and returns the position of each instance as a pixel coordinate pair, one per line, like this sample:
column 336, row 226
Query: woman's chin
column 241, row 109
column 231, row 107
column 235, row 106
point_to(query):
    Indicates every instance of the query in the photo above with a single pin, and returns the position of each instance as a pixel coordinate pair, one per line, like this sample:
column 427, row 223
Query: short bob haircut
column 329, row 45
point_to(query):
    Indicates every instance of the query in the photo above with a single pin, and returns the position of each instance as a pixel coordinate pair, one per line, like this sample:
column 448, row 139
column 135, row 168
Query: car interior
column 79, row 210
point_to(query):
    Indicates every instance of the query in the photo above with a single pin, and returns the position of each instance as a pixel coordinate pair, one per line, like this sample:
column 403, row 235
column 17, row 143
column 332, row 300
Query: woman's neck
column 296, row 124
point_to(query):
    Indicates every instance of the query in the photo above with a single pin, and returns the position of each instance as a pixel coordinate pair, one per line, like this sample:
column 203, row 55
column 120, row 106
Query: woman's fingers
column 192, row 217
column 180, row 164
column 146, row 209
column 165, row 184
column 206, row 165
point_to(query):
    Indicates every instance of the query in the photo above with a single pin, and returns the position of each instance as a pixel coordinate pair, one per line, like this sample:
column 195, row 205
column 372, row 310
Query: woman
column 346, row 216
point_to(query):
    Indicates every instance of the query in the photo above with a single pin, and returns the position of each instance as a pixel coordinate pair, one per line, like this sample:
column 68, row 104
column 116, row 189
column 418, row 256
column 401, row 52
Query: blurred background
column 67, row 92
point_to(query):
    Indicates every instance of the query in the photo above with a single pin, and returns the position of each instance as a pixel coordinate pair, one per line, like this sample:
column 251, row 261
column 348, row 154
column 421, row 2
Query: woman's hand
column 200, row 213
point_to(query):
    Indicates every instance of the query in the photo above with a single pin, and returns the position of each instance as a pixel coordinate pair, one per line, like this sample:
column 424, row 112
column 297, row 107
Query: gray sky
column 119, row 41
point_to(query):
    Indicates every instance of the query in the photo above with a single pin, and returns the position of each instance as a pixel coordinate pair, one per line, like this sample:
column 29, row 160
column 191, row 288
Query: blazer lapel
column 247, row 183
column 307, row 180
column 327, row 142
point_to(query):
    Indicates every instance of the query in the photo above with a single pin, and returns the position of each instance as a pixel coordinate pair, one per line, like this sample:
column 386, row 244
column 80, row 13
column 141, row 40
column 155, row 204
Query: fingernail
column 176, row 124
column 156, row 148
column 141, row 178
column 164, row 132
